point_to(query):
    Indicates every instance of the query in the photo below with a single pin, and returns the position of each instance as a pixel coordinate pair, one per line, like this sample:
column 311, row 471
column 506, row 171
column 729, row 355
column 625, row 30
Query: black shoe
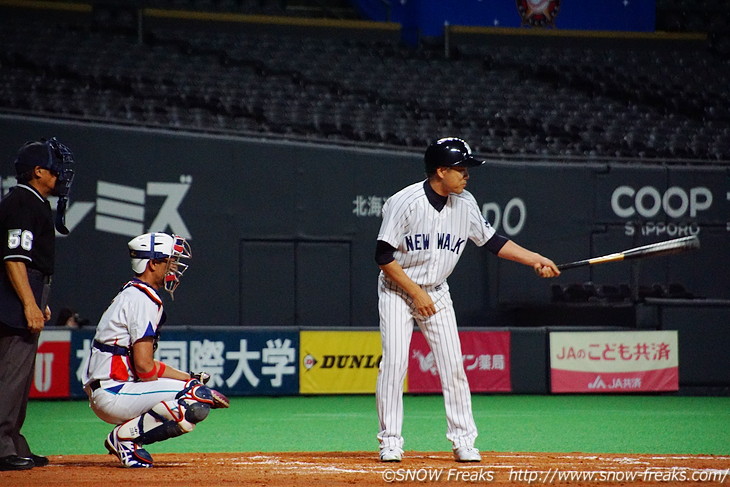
column 39, row 461
column 14, row 462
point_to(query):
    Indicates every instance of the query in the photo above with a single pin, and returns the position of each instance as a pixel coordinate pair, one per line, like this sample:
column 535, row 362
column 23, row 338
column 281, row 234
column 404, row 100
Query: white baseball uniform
column 428, row 245
column 136, row 312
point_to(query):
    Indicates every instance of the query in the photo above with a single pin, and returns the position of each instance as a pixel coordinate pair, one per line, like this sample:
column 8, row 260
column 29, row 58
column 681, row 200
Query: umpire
column 43, row 168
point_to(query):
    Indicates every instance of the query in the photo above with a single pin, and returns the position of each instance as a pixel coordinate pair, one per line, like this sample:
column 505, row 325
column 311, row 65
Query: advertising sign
column 339, row 362
column 612, row 361
column 51, row 374
column 486, row 356
column 429, row 16
column 244, row 363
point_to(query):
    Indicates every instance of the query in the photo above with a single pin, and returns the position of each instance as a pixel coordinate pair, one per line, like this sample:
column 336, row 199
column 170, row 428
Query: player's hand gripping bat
column 668, row 247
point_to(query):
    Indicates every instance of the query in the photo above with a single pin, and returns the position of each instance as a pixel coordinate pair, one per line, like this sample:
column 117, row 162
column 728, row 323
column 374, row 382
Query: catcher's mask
column 161, row 246
column 57, row 158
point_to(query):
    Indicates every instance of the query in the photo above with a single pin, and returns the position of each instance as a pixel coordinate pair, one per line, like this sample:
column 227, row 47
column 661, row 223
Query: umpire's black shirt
column 26, row 235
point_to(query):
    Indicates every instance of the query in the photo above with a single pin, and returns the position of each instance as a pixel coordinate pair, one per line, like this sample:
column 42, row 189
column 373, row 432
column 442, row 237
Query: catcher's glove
column 219, row 400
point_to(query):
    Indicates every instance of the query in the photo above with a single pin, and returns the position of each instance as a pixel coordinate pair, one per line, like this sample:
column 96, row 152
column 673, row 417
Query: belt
column 113, row 349
column 94, row 385
column 426, row 287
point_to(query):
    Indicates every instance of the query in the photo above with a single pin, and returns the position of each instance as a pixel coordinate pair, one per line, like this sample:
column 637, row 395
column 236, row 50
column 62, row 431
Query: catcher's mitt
column 219, row 400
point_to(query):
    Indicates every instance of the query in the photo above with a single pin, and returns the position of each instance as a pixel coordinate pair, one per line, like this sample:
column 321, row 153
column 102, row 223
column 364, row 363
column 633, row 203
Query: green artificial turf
column 591, row 424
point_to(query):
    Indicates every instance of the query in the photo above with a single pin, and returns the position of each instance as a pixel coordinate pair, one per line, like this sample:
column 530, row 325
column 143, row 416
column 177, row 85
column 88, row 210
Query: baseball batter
column 148, row 400
column 423, row 234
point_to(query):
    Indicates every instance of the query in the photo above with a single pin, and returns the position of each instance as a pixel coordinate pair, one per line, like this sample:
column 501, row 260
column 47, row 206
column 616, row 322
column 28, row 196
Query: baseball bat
column 668, row 247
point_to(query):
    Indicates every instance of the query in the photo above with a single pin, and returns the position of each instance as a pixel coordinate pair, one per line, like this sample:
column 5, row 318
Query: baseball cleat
column 39, row 461
column 128, row 452
column 467, row 454
column 391, row 455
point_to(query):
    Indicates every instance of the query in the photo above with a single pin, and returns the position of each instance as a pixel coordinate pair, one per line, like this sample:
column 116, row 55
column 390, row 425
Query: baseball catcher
column 146, row 399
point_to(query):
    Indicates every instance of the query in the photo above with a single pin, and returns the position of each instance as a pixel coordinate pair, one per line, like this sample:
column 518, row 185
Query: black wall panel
column 704, row 340
column 324, row 288
column 267, row 283
column 261, row 215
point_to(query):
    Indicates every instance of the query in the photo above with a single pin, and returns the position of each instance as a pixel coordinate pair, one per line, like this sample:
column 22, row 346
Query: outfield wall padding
column 283, row 233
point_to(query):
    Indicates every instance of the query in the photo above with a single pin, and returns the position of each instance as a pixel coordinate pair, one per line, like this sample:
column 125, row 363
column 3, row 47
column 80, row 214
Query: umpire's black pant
column 17, row 362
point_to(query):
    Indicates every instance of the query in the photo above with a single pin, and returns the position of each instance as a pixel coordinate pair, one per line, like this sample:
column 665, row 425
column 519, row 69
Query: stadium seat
column 590, row 101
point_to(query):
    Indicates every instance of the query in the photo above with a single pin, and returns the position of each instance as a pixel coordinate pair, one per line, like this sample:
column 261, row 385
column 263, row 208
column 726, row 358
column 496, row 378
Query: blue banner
column 245, row 363
column 429, row 16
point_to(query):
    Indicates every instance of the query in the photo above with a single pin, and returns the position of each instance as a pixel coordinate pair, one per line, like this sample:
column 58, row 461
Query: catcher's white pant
column 116, row 406
column 396, row 328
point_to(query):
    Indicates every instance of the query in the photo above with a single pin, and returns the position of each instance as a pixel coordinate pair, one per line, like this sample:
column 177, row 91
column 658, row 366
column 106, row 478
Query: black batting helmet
column 449, row 152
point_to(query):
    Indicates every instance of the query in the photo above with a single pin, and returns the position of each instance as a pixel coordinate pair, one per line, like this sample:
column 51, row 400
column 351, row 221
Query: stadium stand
column 656, row 100
column 692, row 16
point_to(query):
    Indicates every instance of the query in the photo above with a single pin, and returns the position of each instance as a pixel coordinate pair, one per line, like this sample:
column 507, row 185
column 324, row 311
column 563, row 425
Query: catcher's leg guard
column 166, row 420
column 178, row 425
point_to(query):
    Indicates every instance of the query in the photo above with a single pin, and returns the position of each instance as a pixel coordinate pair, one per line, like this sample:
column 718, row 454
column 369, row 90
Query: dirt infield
column 362, row 468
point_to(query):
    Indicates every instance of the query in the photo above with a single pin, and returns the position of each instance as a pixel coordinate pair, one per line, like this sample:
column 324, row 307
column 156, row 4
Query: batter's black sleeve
column 495, row 244
column 384, row 253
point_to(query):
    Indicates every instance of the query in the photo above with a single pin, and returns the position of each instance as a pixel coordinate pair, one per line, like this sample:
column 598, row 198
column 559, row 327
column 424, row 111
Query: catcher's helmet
column 449, row 152
column 160, row 246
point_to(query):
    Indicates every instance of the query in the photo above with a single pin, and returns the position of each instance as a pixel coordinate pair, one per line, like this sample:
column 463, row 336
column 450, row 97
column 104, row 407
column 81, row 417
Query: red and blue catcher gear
column 170, row 419
column 150, row 331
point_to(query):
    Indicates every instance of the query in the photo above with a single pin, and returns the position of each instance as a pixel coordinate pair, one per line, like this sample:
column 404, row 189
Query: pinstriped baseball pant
column 440, row 330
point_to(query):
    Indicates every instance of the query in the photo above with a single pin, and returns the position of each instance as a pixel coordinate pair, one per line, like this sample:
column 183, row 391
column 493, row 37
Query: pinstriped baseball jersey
column 428, row 242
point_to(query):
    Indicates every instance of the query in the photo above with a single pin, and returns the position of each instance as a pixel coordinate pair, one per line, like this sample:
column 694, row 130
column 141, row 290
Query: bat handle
column 571, row 265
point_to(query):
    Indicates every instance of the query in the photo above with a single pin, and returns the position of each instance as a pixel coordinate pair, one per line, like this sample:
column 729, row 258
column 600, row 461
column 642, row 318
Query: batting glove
column 203, row 377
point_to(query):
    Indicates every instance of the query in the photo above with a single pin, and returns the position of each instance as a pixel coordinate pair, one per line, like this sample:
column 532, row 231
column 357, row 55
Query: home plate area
column 326, row 469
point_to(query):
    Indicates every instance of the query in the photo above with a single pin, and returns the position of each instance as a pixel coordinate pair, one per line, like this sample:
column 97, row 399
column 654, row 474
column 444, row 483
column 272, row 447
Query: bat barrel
column 668, row 247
